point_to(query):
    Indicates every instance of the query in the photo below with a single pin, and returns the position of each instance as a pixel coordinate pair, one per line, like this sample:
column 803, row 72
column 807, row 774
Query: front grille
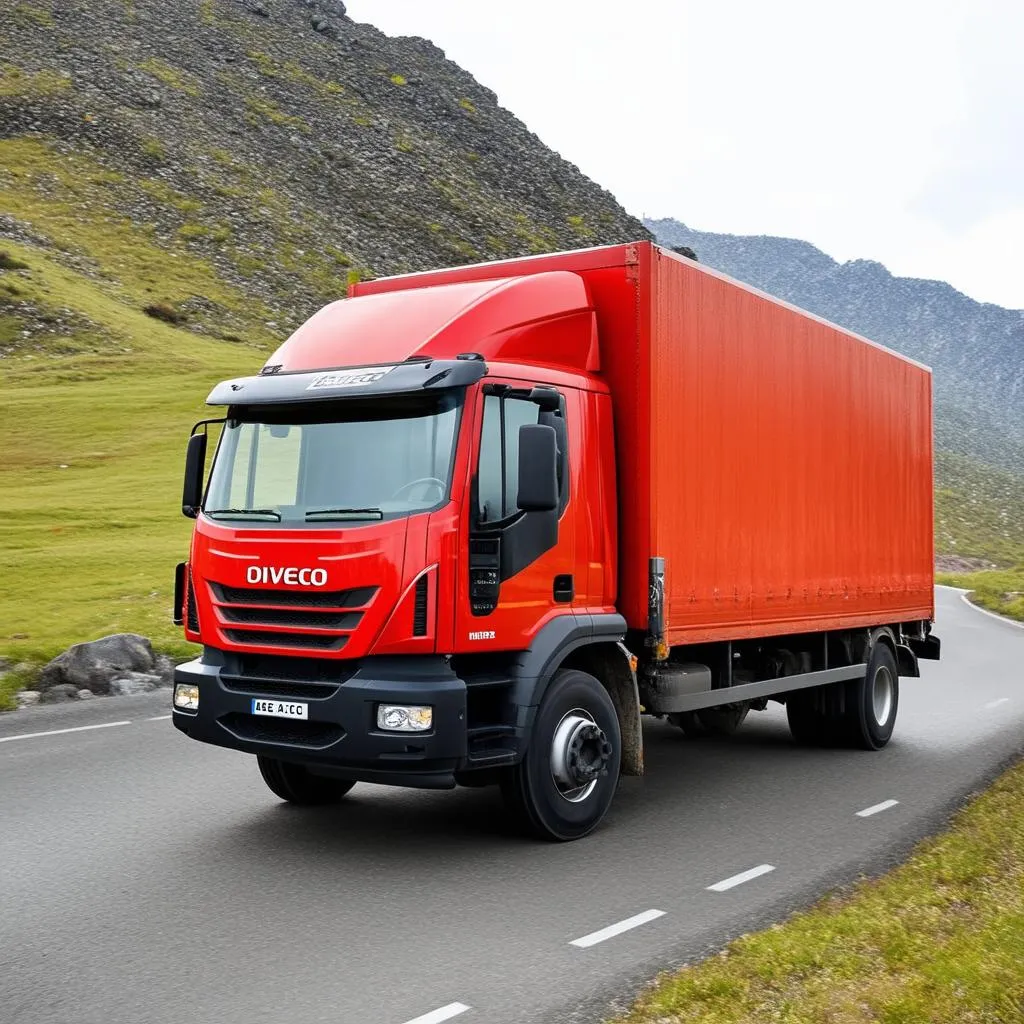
column 299, row 670
column 284, row 676
column 335, row 599
column 307, row 641
column 292, row 617
column 278, row 688
column 312, row 620
column 315, row 735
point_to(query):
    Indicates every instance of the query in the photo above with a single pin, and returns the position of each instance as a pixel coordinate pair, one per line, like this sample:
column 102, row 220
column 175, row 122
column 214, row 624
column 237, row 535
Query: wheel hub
column 881, row 695
column 580, row 754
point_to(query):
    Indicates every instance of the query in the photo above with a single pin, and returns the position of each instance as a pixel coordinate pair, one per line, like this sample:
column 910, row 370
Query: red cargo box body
column 780, row 465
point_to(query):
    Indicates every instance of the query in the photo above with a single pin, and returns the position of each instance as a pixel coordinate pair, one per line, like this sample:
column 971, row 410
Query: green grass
column 95, row 421
column 94, row 447
column 937, row 941
column 978, row 511
column 999, row 591
column 171, row 76
column 19, row 84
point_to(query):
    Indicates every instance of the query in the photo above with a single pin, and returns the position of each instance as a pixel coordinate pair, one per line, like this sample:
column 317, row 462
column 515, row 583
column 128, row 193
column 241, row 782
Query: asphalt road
column 148, row 878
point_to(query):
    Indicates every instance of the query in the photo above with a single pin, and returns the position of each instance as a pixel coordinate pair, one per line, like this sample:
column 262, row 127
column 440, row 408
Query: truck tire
column 565, row 782
column 871, row 703
column 723, row 721
column 297, row 785
column 809, row 726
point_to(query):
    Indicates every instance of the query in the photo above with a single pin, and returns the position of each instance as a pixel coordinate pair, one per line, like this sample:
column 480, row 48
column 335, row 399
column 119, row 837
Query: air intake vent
column 419, row 614
column 191, row 614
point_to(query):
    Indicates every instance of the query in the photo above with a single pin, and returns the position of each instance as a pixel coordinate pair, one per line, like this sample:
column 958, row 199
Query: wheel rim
column 881, row 695
column 580, row 752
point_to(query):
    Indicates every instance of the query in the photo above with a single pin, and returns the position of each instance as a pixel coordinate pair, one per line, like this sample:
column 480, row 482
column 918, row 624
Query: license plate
column 279, row 708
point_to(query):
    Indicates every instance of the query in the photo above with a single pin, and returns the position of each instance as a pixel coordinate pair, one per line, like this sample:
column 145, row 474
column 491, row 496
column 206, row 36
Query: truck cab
column 408, row 523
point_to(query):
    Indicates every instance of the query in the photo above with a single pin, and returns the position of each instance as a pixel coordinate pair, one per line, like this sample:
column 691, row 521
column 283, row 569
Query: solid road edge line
column 441, row 1014
column 991, row 615
column 60, row 732
column 617, row 929
column 743, row 876
column 876, row 808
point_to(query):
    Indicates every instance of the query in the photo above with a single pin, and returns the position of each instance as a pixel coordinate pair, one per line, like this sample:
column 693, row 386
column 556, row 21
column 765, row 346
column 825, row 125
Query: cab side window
column 498, row 473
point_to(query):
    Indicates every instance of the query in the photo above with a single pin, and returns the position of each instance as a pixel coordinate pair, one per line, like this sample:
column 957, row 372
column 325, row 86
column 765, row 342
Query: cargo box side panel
column 792, row 464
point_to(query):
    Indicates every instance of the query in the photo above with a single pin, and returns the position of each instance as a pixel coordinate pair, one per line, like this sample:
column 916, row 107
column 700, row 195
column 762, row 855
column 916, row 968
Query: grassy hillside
column 96, row 400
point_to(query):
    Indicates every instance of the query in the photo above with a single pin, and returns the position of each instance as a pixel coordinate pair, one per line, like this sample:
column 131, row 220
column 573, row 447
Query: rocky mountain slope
column 279, row 141
column 976, row 349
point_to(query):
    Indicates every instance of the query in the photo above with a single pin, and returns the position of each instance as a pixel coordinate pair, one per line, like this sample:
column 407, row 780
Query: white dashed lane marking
column 60, row 732
column 876, row 808
column 440, row 1015
column 743, row 876
column 617, row 929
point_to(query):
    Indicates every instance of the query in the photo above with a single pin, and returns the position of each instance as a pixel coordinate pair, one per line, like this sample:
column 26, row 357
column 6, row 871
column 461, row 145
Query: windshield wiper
column 272, row 513
column 344, row 513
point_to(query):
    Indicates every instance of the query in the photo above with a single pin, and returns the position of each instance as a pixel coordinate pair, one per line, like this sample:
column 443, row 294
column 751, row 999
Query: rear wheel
column 565, row 782
column 809, row 724
column 297, row 785
column 871, row 702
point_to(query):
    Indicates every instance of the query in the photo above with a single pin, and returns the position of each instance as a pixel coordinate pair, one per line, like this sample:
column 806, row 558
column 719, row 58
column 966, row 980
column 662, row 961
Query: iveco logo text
column 483, row 634
column 290, row 576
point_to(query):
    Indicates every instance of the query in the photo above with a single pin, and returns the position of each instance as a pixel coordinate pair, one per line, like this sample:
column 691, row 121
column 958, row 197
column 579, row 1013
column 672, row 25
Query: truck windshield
column 348, row 461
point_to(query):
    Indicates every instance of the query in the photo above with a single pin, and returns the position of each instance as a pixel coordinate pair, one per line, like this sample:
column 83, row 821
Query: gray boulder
column 59, row 694
column 131, row 683
column 86, row 695
column 164, row 668
column 93, row 665
column 26, row 698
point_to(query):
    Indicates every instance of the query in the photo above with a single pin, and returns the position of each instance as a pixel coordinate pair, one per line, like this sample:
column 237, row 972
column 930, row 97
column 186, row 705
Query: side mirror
column 538, row 468
column 195, row 475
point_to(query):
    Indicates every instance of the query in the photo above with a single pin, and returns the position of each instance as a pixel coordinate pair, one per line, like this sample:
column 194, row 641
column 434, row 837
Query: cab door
column 518, row 569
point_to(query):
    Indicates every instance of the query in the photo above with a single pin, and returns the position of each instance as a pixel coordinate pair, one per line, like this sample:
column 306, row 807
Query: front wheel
column 565, row 782
column 297, row 785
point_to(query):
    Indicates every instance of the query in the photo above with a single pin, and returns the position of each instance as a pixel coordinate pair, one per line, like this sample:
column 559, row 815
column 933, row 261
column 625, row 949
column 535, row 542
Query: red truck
column 465, row 527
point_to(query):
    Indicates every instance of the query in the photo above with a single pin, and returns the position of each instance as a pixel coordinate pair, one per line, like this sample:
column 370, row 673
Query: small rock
column 325, row 28
column 59, row 694
column 27, row 698
column 132, row 683
column 84, row 694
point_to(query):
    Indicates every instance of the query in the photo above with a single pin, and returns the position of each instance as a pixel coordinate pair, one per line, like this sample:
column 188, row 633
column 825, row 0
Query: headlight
column 404, row 717
column 186, row 696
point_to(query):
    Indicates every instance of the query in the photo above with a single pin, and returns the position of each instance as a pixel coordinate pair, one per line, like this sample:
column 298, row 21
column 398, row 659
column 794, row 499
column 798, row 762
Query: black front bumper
column 340, row 736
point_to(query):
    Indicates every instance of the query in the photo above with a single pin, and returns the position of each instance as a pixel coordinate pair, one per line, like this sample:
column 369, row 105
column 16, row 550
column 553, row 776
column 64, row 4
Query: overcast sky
column 884, row 129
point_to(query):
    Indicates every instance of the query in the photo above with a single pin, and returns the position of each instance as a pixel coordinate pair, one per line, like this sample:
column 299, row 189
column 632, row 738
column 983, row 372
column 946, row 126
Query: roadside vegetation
column 999, row 591
column 940, row 940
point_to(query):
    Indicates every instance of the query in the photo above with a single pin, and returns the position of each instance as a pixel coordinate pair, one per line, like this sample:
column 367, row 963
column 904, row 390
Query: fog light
column 404, row 717
column 186, row 696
